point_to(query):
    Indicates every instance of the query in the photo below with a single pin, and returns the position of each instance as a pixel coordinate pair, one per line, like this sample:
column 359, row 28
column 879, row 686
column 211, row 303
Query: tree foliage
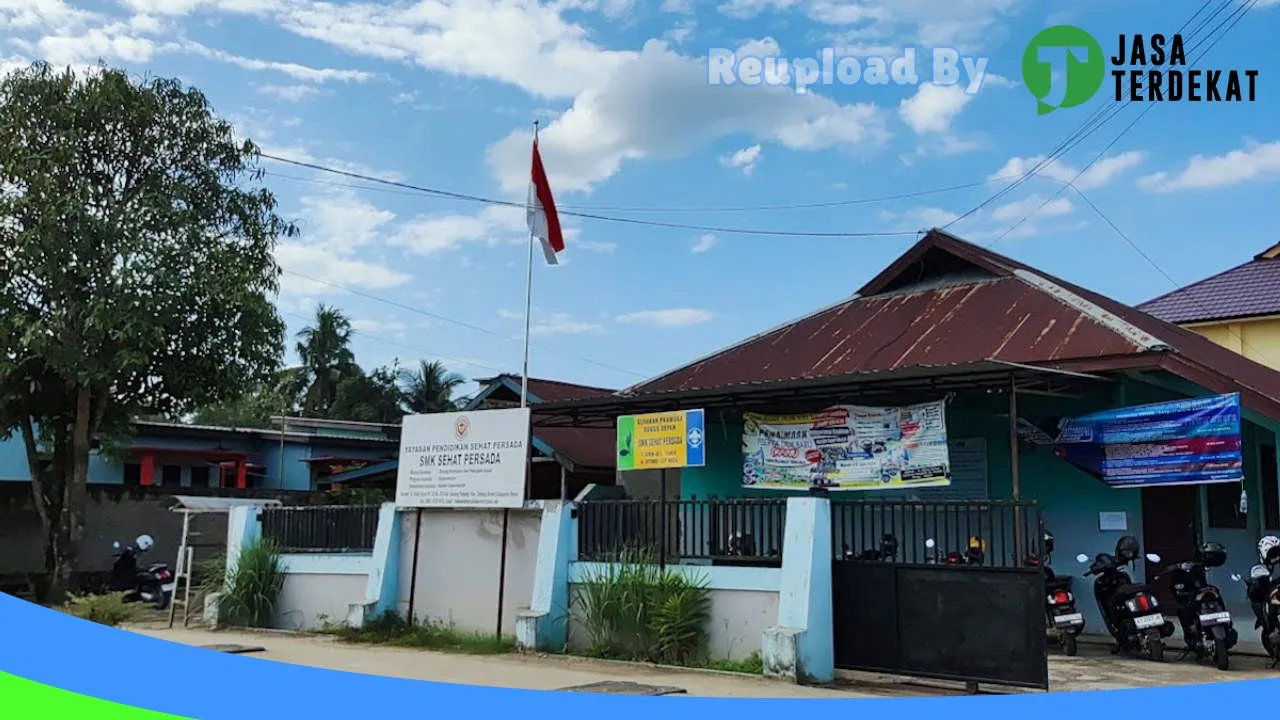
column 430, row 388
column 136, row 258
column 324, row 348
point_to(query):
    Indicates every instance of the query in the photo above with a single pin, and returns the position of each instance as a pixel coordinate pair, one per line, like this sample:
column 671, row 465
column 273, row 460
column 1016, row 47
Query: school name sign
column 464, row 460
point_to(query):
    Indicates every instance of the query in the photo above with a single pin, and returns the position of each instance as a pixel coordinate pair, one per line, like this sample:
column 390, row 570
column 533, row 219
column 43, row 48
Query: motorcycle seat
column 1133, row 589
column 1057, row 582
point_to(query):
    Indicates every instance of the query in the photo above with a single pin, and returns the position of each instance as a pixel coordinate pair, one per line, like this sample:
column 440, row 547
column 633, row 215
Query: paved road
column 1094, row 669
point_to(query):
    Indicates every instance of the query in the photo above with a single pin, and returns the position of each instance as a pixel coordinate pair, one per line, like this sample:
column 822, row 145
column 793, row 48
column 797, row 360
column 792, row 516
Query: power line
column 402, row 346
column 448, row 194
column 1091, row 124
column 1238, row 14
column 690, row 209
column 447, row 319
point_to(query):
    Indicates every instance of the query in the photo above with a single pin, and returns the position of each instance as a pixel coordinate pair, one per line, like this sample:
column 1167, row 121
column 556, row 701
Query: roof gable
column 1013, row 314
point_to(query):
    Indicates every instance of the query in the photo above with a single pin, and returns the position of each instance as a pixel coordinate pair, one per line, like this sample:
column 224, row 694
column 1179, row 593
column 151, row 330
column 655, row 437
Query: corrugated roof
column 550, row 390
column 585, row 447
column 1248, row 290
column 1012, row 313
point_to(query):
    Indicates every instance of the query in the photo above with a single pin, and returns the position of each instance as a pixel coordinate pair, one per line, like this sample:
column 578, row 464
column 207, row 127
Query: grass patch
column 110, row 610
column 253, row 585
column 751, row 665
column 394, row 631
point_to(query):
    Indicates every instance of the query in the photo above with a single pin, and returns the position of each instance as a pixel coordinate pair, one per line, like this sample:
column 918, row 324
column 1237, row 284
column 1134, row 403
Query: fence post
column 801, row 646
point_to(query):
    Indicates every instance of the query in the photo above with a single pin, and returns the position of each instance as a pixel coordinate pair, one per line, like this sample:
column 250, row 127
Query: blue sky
column 443, row 94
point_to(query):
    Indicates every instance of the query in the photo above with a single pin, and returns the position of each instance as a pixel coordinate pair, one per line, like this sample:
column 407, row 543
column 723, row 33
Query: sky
column 443, row 94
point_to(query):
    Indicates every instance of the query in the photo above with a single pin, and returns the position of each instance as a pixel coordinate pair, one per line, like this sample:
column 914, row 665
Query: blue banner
column 1182, row 442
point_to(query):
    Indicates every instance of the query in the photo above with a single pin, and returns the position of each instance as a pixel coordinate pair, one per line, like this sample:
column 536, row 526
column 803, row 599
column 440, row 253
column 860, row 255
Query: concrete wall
column 115, row 513
column 309, row 601
column 1257, row 339
column 744, row 604
column 458, row 565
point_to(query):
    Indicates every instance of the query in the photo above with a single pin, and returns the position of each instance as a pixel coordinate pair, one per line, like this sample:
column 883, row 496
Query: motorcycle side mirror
column 930, row 543
column 1153, row 557
column 1082, row 558
column 115, row 545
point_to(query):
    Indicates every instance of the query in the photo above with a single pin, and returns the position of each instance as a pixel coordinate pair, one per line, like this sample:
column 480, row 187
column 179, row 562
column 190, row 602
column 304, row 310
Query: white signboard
column 472, row 459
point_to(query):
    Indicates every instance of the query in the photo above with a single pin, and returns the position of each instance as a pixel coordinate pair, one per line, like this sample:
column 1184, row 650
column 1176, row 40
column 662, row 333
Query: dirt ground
column 1094, row 669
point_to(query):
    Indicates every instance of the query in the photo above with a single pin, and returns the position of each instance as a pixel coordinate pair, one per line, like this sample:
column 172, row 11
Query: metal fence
column 324, row 529
column 1008, row 533
column 724, row 531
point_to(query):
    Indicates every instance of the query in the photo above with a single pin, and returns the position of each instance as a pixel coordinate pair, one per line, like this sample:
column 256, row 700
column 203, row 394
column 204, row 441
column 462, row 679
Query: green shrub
column 110, row 610
column 253, row 585
column 391, row 629
column 634, row 610
column 751, row 665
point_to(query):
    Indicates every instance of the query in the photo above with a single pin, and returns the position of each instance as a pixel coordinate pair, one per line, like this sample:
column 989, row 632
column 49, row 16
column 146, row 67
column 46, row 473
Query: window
column 1270, row 489
column 132, row 475
column 1224, row 506
column 200, row 476
column 170, row 475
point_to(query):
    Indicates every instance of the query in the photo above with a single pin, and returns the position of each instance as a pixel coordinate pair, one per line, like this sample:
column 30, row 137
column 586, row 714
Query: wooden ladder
column 182, row 575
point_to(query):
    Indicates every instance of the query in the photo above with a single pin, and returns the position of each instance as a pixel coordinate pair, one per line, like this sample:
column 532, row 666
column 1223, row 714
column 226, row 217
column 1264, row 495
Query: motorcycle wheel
column 1069, row 645
column 1155, row 646
column 162, row 599
column 1220, row 657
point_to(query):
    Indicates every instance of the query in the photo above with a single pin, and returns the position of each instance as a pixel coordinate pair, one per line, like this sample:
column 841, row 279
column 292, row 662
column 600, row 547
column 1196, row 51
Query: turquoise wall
column 1070, row 499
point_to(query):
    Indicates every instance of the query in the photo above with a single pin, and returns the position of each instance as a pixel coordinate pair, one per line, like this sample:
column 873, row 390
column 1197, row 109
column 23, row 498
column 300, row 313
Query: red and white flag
column 544, row 222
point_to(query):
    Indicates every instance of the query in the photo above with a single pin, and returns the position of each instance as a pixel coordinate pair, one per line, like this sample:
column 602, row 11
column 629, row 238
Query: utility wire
column 448, row 194
column 447, row 319
column 1238, row 14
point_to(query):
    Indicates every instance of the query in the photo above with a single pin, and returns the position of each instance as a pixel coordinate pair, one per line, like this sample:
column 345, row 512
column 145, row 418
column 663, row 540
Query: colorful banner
column 1183, row 442
column 662, row 440
column 848, row 447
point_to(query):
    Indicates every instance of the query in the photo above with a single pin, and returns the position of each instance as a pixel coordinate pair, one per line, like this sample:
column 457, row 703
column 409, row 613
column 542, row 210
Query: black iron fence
column 325, row 529
column 722, row 531
column 1002, row 534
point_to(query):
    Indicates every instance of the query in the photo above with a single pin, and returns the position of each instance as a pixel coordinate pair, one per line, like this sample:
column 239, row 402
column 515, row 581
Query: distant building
column 294, row 457
column 1238, row 309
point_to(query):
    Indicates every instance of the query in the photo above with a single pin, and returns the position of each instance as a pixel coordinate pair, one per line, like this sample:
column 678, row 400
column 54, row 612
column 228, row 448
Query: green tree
column 324, row 347
column 430, row 387
column 373, row 397
column 257, row 408
column 136, row 272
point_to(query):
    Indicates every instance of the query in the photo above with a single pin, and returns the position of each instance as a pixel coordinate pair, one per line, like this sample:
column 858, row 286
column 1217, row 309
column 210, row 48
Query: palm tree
column 324, row 348
column 430, row 388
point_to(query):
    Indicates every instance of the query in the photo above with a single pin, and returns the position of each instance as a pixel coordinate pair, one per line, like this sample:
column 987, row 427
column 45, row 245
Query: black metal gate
column 924, row 614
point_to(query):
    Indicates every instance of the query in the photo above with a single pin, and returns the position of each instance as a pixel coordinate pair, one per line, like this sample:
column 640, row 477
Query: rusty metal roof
column 1002, row 311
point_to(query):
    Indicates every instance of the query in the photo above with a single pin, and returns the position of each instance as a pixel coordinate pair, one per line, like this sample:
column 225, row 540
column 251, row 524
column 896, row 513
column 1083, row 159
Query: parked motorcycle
column 1202, row 611
column 1263, row 591
column 154, row 585
column 1129, row 610
column 1064, row 622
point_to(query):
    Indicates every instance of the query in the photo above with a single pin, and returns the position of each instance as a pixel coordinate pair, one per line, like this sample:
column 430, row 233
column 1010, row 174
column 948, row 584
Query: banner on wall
column 848, row 447
column 1184, row 442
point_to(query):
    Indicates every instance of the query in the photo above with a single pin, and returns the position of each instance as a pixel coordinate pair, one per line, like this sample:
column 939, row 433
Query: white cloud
column 1255, row 161
column 703, row 243
column 292, row 93
column 932, row 108
column 293, row 70
column 746, row 9
column 370, row 326
column 341, row 221
column 920, row 218
column 1019, row 209
column 744, row 159
column 108, row 43
column 430, row 234
column 1099, row 174
column 659, row 104
column 962, row 24
column 675, row 317
column 685, row 7
column 561, row 324
column 681, row 33
column 594, row 246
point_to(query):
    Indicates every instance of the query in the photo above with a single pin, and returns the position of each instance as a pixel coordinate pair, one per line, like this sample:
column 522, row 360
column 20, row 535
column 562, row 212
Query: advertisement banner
column 848, row 447
column 1184, row 442
column 463, row 460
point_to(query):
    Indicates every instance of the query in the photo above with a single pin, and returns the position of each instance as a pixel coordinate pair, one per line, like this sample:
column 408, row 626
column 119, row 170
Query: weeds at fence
column 391, row 629
column 751, row 665
column 253, row 585
column 634, row 610
column 110, row 610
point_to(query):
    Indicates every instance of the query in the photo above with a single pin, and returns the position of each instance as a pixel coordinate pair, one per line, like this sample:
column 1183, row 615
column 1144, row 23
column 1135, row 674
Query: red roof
column 949, row 302
column 1248, row 290
column 591, row 448
column 551, row 390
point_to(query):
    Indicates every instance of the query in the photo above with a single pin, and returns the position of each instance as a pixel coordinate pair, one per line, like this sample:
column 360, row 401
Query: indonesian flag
column 544, row 222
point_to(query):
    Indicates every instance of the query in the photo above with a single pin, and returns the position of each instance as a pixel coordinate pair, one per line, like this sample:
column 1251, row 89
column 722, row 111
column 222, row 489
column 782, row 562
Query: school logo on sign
column 461, row 428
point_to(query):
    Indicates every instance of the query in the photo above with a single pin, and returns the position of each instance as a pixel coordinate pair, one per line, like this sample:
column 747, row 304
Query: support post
column 1015, row 476
column 242, row 474
column 662, row 521
column 147, row 472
